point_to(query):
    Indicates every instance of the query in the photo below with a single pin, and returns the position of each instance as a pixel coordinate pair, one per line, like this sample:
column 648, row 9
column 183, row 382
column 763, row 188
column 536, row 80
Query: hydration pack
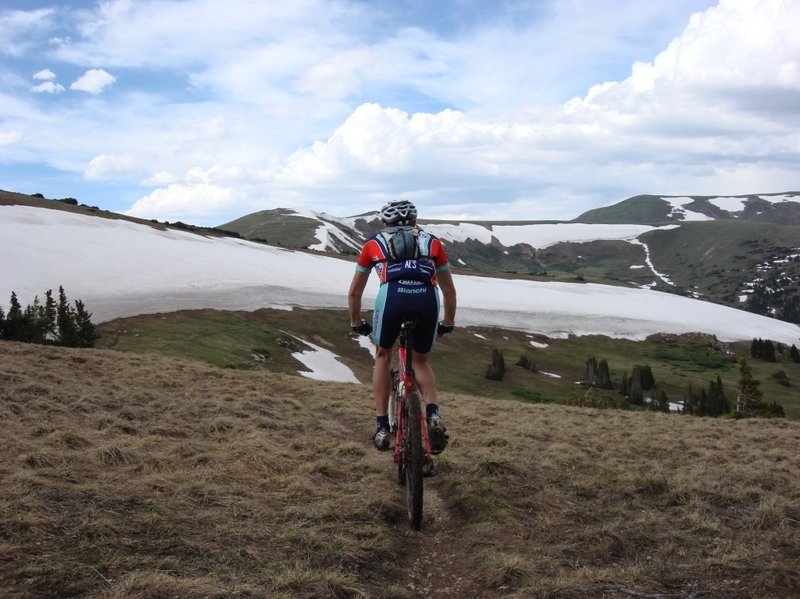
column 402, row 242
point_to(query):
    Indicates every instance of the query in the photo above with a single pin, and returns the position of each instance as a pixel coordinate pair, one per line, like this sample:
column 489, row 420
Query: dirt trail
column 437, row 562
column 441, row 567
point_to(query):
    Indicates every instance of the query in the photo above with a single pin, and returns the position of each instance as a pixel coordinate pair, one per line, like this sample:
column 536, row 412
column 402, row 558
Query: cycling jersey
column 408, row 288
column 431, row 259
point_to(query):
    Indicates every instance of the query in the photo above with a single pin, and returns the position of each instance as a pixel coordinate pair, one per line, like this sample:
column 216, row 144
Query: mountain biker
column 411, row 265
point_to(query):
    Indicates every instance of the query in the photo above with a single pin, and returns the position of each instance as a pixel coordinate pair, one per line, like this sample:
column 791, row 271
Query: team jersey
column 432, row 259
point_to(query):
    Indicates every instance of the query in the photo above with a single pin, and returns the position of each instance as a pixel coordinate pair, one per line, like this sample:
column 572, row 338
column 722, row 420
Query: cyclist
column 411, row 265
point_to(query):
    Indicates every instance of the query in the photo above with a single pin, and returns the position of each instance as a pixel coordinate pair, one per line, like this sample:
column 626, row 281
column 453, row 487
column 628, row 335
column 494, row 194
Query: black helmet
column 399, row 212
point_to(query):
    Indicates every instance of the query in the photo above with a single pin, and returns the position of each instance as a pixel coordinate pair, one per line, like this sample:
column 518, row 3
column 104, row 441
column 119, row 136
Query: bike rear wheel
column 414, row 462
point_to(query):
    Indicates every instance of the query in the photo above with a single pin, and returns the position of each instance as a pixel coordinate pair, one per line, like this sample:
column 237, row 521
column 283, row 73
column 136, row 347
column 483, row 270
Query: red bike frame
column 412, row 447
column 405, row 385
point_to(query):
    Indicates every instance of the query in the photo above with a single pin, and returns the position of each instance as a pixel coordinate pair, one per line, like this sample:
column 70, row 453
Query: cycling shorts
column 397, row 302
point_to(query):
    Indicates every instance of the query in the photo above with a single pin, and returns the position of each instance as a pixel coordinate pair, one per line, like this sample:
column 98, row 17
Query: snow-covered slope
column 119, row 268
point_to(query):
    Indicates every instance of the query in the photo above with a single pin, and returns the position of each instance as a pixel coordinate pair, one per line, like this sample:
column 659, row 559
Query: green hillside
column 265, row 340
column 279, row 227
column 641, row 209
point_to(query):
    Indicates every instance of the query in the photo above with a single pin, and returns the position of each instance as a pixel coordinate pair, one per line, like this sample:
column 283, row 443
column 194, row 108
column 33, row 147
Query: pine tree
column 662, row 403
column 768, row 352
column 624, row 384
column 497, row 368
column 718, row 404
column 794, row 354
column 526, row 363
column 49, row 316
column 635, row 395
column 645, row 376
column 2, row 323
column 86, row 334
column 30, row 322
column 67, row 330
column 14, row 327
column 690, row 401
column 603, row 375
column 748, row 396
column 755, row 348
column 590, row 372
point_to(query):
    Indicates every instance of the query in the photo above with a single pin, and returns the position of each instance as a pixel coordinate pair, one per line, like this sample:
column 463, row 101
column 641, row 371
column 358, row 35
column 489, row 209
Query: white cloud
column 160, row 178
column 93, row 81
column 45, row 74
column 48, row 87
column 107, row 166
column 16, row 26
column 319, row 103
column 179, row 201
column 8, row 138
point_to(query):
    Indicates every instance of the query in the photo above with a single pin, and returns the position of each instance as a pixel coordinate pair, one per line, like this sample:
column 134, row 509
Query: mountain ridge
column 609, row 244
column 723, row 249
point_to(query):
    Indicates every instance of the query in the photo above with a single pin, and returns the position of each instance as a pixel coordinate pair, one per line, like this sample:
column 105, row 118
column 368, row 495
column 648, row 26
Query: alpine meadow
column 620, row 394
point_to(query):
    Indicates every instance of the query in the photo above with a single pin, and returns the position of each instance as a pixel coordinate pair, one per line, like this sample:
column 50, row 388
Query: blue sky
column 205, row 110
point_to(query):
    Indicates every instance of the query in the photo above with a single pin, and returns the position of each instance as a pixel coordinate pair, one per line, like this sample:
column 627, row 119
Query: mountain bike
column 412, row 449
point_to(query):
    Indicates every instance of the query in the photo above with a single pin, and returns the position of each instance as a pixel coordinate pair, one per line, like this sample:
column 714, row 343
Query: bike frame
column 403, row 387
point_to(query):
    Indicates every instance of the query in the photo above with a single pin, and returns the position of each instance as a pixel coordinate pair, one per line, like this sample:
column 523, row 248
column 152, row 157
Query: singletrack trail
column 437, row 564
column 440, row 565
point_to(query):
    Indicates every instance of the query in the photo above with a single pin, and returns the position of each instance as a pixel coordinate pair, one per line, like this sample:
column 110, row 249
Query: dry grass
column 137, row 476
column 579, row 502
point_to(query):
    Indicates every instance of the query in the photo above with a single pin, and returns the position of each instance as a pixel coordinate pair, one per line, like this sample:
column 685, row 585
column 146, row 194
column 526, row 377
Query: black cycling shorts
column 397, row 302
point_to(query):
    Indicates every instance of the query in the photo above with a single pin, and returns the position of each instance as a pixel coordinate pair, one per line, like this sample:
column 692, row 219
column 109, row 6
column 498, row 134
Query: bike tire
column 415, row 462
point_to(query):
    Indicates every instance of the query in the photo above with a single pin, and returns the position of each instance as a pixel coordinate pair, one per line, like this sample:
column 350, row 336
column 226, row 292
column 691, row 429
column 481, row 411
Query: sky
column 119, row 268
column 206, row 110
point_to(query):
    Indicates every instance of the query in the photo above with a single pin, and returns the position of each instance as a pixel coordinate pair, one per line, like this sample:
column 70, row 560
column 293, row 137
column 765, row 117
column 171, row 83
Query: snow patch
column 551, row 375
column 730, row 204
column 119, row 268
column 539, row 235
column 323, row 364
column 649, row 263
column 777, row 199
column 678, row 209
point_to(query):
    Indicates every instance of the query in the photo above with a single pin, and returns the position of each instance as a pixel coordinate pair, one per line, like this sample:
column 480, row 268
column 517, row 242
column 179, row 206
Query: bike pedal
column 430, row 471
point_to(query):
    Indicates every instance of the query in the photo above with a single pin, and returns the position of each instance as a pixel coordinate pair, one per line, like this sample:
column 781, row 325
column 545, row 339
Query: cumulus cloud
column 180, row 201
column 45, row 74
column 93, row 81
column 48, row 87
column 107, row 166
column 537, row 110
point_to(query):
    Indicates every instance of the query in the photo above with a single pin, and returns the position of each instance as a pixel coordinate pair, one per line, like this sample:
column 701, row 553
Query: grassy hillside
column 139, row 476
column 641, row 209
column 267, row 338
column 278, row 227
column 717, row 259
